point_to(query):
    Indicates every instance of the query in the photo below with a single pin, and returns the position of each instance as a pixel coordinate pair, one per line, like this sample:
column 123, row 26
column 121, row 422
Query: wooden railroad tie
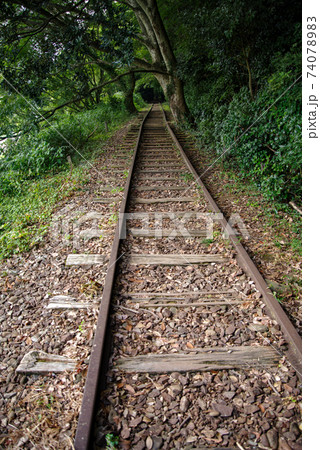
column 171, row 302
column 185, row 299
column 161, row 169
column 85, row 260
column 209, row 294
column 67, row 302
column 176, row 260
column 170, row 214
column 156, row 159
column 159, row 147
column 160, row 188
column 154, row 166
column 200, row 360
column 164, row 200
column 148, row 177
column 38, row 361
column 159, row 153
column 163, row 232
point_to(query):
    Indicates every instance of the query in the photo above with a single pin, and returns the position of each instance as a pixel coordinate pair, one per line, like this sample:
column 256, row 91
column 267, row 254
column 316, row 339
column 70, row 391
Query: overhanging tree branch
column 98, row 32
column 50, row 113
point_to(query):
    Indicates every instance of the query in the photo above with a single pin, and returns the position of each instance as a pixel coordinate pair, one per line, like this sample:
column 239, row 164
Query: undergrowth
column 35, row 173
column 260, row 138
column 25, row 218
column 281, row 217
column 47, row 150
column 276, row 215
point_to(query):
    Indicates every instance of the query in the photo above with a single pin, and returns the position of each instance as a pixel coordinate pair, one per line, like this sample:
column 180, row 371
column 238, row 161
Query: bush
column 44, row 151
column 27, row 158
column 68, row 134
column 72, row 131
column 260, row 144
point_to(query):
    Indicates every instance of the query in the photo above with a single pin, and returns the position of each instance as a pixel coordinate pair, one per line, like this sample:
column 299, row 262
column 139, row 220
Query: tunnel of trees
column 230, row 70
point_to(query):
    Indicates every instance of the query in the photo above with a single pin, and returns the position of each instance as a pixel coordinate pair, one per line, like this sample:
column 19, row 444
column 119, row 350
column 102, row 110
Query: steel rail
column 274, row 310
column 85, row 422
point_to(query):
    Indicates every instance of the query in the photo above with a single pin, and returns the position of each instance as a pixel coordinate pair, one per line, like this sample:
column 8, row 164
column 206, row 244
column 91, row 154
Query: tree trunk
column 128, row 100
column 246, row 53
column 249, row 78
column 164, row 63
column 173, row 90
column 178, row 103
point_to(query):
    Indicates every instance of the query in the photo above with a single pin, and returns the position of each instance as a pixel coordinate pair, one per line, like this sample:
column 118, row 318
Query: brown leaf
column 89, row 334
column 116, row 420
column 261, row 407
column 125, row 432
column 189, row 345
column 135, row 280
column 130, row 389
column 125, row 444
column 135, row 422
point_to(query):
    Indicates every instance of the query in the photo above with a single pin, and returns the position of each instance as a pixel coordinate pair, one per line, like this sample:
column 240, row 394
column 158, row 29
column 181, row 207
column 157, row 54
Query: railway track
column 191, row 349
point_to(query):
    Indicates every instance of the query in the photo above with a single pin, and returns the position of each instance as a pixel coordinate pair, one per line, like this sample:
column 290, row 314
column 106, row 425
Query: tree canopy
column 89, row 44
column 85, row 46
column 220, row 62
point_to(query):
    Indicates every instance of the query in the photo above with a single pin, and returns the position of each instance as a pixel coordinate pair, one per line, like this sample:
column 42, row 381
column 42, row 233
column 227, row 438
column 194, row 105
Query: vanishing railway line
column 186, row 322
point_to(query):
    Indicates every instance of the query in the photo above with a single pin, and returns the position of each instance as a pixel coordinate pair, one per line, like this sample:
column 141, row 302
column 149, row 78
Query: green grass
column 25, row 214
column 207, row 241
column 272, row 211
column 186, row 176
column 25, row 218
column 116, row 190
column 112, row 441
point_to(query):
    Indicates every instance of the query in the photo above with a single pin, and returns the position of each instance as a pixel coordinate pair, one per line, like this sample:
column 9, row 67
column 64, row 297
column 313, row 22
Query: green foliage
column 207, row 242
column 38, row 153
column 186, row 176
column 236, row 58
column 72, row 63
column 262, row 142
column 112, row 441
column 15, row 114
column 72, row 131
column 99, row 29
column 138, row 101
column 69, row 133
column 24, row 159
column 24, row 218
column 33, row 175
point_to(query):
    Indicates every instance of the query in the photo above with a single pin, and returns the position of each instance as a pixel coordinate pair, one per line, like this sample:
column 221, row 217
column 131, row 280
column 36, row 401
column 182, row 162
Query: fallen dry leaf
column 130, row 389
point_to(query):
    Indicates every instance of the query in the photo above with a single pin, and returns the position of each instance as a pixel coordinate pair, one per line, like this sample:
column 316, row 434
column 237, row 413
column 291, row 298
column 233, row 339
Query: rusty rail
column 294, row 341
column 86, row 417
column 99, row 355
